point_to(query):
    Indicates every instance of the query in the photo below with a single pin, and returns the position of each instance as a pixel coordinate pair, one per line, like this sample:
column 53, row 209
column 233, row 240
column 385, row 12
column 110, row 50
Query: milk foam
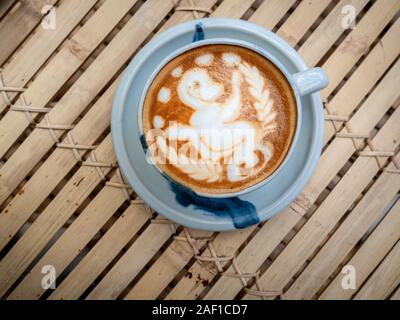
column 215, row 130
column 204, row 60
column 164, row 95
column 230, row 59
column 158, row 122
column 177, row 72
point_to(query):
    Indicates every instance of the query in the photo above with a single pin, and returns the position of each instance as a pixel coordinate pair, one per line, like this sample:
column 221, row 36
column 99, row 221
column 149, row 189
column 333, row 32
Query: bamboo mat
column 64, row 204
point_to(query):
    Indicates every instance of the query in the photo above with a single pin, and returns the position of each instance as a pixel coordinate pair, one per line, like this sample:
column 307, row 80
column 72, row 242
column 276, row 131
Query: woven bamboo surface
column 65, row 204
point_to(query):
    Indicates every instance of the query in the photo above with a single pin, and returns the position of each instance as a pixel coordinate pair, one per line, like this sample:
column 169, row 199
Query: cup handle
column 310, row 81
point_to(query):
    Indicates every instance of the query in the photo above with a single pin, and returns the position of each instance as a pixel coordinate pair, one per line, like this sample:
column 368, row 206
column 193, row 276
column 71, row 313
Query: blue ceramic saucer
column 180, row 204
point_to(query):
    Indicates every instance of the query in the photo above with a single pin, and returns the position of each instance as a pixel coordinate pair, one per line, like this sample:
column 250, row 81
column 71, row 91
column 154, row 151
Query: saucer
column 177, row 203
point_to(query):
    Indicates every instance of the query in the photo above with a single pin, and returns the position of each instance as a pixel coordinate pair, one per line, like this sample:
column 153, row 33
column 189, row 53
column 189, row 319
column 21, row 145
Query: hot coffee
column 219, row 118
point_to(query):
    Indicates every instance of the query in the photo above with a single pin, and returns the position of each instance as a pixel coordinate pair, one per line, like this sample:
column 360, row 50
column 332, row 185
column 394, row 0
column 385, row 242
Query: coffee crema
column 219, row 118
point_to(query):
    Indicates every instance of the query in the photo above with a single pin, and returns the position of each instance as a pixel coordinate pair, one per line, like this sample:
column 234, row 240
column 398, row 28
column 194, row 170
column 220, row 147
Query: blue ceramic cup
column 302, row 83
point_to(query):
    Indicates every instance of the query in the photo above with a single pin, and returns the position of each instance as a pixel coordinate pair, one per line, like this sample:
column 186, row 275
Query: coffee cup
column 202, row 103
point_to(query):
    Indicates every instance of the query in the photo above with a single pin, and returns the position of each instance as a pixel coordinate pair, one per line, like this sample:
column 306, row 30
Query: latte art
column 219, row 118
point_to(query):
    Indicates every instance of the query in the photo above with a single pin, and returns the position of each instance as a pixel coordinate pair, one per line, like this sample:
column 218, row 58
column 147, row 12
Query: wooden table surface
column 66, row 211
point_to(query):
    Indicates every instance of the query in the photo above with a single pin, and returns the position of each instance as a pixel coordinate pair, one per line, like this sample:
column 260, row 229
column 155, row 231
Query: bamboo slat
column 75, row 238
column 57, row 72
column 27, row 61
column 163, row 271
column 384, row 280
column 173, row 259
column 183, row 16
column 270, row 13
column 104, row 252
column 5, row 6
column 396, row 295
column 53, row 217
column 232, row 9
column 379, row 242
column 346, row 237
column 357, row 42
column 323, row 38
column 340, row 149
column 365, row 77
column 296, row 26
column 249, row 259
column 18, row 23
column 330, row 211
column 54, row 169
column 137, row 256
